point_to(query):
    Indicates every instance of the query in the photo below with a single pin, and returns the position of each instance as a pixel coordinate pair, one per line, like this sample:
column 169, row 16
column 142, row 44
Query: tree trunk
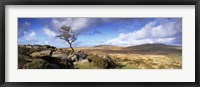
column 70, row 45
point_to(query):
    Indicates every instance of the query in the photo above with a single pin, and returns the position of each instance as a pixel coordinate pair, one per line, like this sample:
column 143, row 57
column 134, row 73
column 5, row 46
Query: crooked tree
column 68, row 35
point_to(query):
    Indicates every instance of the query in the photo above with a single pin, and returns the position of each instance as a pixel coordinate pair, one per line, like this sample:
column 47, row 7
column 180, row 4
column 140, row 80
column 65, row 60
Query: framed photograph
column 99, row 43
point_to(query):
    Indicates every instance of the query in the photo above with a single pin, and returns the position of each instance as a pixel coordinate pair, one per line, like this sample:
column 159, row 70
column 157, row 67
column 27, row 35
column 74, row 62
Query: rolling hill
column 154, row 48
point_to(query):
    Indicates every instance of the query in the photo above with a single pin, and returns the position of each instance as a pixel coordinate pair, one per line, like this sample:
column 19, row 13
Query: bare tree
column 68, row 35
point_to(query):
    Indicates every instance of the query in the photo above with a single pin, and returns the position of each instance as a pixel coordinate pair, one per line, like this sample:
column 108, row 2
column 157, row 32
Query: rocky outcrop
column 60, row 58
column 38, row 46
column 45, row 53
column 82, row 62
column 102, row 61
column 67, row 64
column 78, row 56
column 60, row 53
column 49, row 57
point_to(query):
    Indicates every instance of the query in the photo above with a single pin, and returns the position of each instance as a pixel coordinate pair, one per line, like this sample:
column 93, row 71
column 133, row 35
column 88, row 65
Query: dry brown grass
column 133, row 59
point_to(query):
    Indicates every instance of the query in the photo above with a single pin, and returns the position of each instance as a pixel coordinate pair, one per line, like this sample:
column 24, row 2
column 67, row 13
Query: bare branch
column 68, row 35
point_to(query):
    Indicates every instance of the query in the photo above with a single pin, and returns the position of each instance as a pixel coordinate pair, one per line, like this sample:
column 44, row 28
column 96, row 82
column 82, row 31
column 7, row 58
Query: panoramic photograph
column 99, row 43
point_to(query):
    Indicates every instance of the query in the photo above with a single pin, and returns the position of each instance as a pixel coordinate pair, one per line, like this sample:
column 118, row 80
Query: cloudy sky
column 101, row 31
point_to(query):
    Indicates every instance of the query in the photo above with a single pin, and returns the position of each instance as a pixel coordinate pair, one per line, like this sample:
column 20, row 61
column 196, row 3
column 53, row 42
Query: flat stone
column 45, row 53
column 59, row 55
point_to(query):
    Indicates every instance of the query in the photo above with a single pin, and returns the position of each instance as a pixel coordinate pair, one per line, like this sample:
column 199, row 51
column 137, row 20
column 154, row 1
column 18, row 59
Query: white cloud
column 23, row 27
column 28, row 38
column 49, row 32
column 55, row 42
column 77, row 23
column 46, row 42
column 83, row 24
column 31, row 36
column 27, row 23
column 157, row 31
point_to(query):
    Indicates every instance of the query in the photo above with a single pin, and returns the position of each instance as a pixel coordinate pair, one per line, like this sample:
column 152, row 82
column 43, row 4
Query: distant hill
column 103, row 45
column 108, row 47
column 143, row 46
column 157, row 47
column 149, row 46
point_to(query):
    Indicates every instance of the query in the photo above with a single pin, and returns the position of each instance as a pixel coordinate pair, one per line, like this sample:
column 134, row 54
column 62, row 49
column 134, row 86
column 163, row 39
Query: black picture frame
column 98, row 2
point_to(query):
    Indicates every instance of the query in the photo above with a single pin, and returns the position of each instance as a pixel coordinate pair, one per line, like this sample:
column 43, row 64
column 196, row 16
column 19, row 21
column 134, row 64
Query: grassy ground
column 136, row 57
column 140, row 59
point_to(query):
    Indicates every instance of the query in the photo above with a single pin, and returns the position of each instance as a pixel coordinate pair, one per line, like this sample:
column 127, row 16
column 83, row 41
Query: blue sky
column 101, row 31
